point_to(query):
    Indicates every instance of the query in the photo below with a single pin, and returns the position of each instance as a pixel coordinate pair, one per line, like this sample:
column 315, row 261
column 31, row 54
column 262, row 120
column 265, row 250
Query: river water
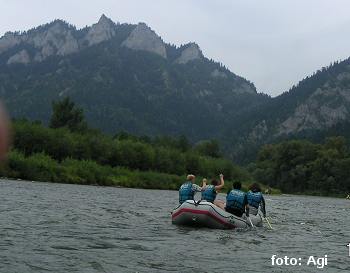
column 71, row 228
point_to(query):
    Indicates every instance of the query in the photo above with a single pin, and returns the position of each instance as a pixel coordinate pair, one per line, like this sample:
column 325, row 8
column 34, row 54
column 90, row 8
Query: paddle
column 247, row 214
column 268, row 222
column 251, row 223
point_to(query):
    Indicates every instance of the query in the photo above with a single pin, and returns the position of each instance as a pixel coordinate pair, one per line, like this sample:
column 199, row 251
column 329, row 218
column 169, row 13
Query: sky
column 272, row 43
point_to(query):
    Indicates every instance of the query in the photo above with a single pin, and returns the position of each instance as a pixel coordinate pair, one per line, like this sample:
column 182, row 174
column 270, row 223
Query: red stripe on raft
column 195, row 211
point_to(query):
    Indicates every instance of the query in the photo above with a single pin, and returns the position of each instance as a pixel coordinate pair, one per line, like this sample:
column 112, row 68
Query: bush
column 42, row 167
column 166, row 154
column 38, row 167
column 303, row 167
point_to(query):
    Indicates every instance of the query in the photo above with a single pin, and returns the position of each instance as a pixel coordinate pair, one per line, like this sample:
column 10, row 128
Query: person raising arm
column 204, row 183
column 222, row 183
column 210, row 191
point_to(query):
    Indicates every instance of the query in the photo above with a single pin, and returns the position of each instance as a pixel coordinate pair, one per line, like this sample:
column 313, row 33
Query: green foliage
column 209, row 148
column 66, row 114
column 90, row 157
column 41, row 167
column 36, row 167
column 300, row 166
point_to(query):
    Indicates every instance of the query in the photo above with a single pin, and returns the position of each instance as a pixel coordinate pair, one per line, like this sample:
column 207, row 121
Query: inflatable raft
column 206, row 214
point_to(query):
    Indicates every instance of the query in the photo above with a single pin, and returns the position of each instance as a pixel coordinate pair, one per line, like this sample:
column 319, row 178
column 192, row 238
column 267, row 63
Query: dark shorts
column 236, row 212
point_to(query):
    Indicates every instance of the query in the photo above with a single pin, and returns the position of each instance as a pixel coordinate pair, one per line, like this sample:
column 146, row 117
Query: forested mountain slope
column 318, row 106
column 125, row 78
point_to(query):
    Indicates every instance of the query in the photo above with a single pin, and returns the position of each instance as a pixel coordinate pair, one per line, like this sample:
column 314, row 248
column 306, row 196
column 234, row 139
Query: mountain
column 124, row 76
column 317, row 107
column 127, row 78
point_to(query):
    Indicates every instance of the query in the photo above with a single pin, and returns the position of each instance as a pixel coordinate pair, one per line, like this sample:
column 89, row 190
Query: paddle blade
column 268, row 223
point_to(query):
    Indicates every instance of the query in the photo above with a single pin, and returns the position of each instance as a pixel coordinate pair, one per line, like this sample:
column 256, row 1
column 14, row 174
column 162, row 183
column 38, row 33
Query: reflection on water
column 71, row 228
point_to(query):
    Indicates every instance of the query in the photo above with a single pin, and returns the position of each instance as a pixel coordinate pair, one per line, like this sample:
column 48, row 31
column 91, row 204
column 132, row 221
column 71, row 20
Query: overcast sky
column 273, row 43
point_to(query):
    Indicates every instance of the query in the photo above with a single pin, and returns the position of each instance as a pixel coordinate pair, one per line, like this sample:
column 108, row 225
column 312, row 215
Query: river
column 48, row 227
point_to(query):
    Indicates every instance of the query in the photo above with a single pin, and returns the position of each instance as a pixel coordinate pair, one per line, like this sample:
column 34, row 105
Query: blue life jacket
column 254, row 199
column 209, row 194
column 235, row 199
column 186, row 192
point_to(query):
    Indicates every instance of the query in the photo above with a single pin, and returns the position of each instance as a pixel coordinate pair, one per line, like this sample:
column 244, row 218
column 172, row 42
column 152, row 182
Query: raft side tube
column 206, row 214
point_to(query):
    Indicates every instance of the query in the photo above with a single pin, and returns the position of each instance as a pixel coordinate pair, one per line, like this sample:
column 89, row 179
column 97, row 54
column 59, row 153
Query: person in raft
column 256, row 200
column 210, row 191
column 236, row 201
column 188, row 189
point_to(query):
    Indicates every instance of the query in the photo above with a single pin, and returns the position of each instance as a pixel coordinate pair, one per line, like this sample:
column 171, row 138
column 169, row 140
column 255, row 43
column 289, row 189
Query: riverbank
column 274, row 192
column 42, row 168
column 321, row 194
column 91, row 157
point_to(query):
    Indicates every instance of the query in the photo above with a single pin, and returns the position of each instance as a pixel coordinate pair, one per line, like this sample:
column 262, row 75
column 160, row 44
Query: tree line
column 300, row 166
column 69, row 151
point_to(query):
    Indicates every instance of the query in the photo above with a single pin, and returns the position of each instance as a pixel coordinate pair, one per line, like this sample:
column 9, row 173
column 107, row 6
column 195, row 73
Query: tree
column 67, row 114
column 208, row 148
column 183, row 143
column 337, row 143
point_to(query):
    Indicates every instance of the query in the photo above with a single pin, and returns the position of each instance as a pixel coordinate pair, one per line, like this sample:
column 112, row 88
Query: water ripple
column 71, row 228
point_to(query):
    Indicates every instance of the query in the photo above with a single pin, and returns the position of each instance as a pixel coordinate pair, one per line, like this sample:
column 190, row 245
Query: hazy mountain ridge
column 316, row 107
column 318, row 102
column 124, row 76
column 60, row 38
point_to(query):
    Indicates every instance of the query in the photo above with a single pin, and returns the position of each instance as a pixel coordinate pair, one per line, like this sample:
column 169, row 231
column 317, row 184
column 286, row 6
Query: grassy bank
column 159, row 155
column 41, row 167
column 91, row 157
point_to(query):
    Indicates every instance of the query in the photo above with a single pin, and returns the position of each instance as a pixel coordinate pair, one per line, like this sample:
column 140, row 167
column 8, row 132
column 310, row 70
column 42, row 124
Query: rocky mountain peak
column 326, row 107
column 56, row 39
column 103, row 30
column 190, row 52
column 144, row 38
column 53, row 38
column 105, row 20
